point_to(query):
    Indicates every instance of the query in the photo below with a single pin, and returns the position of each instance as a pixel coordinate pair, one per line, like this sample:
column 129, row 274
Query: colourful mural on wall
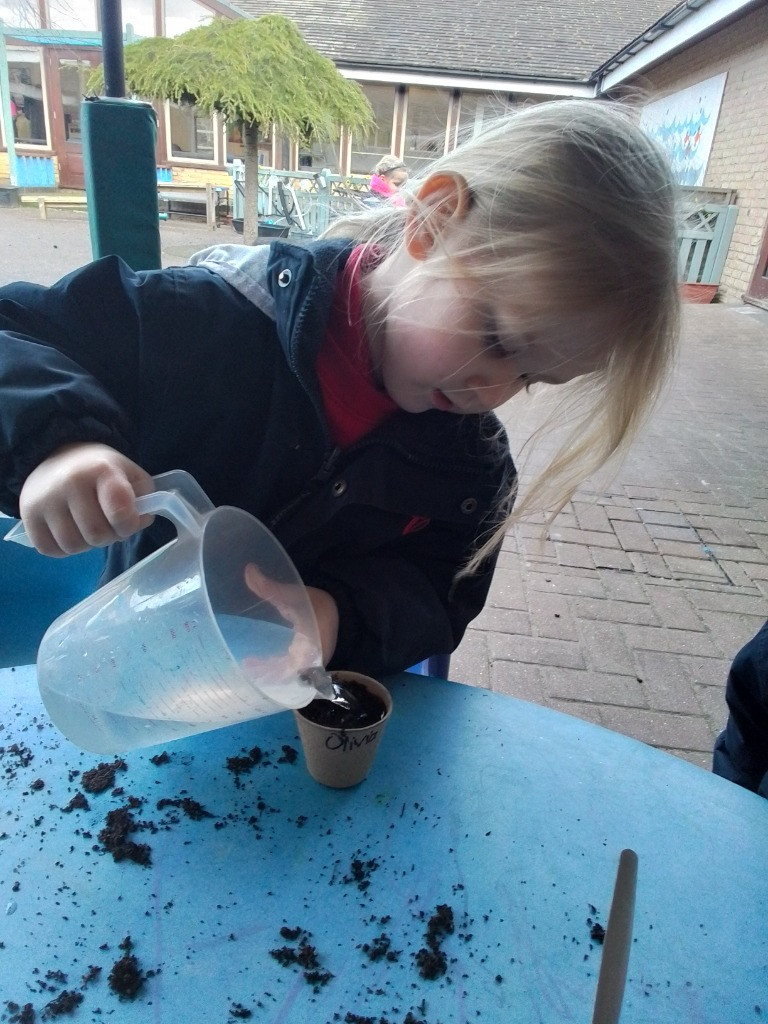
column 684, row 122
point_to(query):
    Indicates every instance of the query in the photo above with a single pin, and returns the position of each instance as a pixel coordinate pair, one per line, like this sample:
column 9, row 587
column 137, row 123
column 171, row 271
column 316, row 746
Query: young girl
column 389, row 176
column 342, row 391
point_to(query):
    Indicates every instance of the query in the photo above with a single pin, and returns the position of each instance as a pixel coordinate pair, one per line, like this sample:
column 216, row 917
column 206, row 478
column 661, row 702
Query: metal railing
column 304, row 202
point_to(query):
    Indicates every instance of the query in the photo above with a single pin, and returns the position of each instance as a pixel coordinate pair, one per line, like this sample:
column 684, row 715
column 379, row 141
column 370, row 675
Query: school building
column 433, row 72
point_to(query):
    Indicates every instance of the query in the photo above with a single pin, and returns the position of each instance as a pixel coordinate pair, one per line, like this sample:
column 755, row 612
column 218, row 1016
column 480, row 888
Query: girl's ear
column 444, row 197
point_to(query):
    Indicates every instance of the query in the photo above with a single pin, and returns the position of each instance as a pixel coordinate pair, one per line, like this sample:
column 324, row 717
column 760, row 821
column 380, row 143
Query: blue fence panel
column 35, row 172
column 703, row 241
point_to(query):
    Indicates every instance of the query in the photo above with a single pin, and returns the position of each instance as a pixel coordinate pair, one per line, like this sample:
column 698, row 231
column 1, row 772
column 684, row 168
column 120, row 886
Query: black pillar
column 112, row 47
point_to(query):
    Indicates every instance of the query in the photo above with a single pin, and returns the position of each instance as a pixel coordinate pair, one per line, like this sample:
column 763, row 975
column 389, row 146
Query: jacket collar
column 285, row 282
column 294, row 286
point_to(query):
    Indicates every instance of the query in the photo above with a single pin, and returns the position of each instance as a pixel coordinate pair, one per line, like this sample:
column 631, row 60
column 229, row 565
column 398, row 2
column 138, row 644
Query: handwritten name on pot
column 343, row 741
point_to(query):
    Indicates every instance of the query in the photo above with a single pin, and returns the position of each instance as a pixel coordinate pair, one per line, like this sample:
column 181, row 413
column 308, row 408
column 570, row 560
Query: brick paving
column 630, row 610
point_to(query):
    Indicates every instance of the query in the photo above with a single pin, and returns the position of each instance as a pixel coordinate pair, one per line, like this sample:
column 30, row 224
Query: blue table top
column 508, row 813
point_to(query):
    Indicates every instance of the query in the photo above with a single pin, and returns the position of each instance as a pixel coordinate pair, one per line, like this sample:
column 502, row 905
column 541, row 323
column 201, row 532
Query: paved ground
column 629, row 613
column 43, row 250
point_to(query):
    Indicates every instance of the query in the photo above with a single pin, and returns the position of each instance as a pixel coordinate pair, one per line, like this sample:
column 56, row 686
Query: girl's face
column 396, row 178
column 440, row 341
column 442, row 347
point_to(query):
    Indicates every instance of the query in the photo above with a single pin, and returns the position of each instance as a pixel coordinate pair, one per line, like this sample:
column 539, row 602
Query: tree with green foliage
column 258, row 74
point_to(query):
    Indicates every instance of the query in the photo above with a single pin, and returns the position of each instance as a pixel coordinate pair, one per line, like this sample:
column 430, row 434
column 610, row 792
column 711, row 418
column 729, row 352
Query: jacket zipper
column 321, row 477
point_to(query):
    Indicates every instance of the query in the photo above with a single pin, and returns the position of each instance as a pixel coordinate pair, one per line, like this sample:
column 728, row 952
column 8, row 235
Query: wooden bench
column 55, row 200
column 205, row 201
column 210, row 202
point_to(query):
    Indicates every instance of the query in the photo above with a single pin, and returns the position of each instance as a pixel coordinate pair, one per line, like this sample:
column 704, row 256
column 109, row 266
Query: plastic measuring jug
column 214, row 628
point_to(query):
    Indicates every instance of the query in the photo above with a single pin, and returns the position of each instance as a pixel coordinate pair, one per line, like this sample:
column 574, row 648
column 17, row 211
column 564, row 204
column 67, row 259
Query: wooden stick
column 617, row 943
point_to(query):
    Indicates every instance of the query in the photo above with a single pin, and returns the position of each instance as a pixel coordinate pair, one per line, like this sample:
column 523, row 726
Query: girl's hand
column 288, row 603
column 83, row 496
column 327, row 614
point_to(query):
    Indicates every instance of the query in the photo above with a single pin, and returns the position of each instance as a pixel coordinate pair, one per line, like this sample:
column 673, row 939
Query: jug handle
column 171, row 505
column 177, row 496
column 188, row 489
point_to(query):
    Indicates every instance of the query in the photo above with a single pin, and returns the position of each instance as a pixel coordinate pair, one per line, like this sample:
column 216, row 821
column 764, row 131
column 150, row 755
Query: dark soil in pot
column 367, row 709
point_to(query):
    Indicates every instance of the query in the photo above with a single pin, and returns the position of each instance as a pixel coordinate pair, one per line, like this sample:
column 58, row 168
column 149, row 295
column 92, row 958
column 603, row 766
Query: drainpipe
column 5, row 111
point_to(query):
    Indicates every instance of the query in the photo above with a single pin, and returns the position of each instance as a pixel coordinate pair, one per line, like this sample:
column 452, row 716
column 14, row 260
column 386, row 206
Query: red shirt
column 353, row 404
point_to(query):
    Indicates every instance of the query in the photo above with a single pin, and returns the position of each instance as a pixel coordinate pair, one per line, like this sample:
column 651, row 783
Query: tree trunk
column 251, row 198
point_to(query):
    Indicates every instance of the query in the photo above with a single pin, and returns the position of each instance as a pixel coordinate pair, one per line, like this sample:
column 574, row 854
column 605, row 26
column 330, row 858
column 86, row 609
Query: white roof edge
column 555, row 87
column 686, row 31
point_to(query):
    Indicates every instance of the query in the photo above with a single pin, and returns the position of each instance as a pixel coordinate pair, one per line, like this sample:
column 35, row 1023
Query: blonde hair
column 575, row 200
column 387, row 164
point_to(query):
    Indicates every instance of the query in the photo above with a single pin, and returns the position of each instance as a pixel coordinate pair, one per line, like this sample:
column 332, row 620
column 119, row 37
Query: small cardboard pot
column 340, row 757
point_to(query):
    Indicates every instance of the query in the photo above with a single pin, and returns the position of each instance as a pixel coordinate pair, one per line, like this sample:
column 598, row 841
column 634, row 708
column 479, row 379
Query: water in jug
column 212, row 629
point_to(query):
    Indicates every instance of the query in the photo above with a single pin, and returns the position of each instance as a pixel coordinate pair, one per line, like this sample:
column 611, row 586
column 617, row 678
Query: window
column 368, row 150
column 20, row 13
column 73, row 75
column 425, row 127
column 191, row 133
column 27, row 111
column 476, row 109
column 319, row 155
column 73, row 14
column 182, row 15
column 140, row 15
column 236, row 146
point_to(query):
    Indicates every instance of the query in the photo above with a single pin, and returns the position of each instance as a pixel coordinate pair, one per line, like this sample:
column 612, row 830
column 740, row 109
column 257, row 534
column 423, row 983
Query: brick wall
column 739, row 157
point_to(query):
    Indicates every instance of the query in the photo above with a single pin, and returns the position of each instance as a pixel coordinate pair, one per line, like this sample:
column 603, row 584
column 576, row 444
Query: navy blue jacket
column 178, row 369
